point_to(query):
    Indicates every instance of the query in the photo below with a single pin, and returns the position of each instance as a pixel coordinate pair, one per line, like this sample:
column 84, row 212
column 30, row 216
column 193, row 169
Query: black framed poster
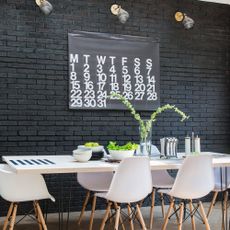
column 103, row 63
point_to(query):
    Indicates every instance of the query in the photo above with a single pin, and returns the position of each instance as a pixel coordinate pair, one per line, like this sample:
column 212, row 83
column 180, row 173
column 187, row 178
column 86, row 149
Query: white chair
column 194, row 180
column 222, row 184
column 93, row 182
column 131, row 183
column 17, row 188
column 160, row 179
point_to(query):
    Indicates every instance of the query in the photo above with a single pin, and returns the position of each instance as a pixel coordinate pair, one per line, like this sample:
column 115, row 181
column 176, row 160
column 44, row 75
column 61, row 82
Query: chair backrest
column 22, row 187
column 132, row 181
column 160, row 177
column 97, row 181
column 155, row 150
column 195, row 178
column 222, row 177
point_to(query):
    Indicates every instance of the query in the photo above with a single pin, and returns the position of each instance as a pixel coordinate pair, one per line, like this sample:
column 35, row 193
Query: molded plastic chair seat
column 220, row 187
column 17, row 188
column 97, row 182
column 93, row 182
column 161, row 179
column 222, row 184
column 194, row 180
column 131, row 183
column 222, row 181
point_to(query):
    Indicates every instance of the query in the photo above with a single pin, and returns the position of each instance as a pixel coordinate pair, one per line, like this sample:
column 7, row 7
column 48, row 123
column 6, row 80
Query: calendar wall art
column 103, row 63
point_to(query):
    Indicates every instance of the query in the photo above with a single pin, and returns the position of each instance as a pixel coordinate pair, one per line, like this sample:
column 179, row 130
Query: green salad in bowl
column 94, row 146
column 119, row 152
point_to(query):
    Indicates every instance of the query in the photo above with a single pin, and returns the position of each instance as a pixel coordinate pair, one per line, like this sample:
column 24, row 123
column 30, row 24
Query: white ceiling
column 218, row 1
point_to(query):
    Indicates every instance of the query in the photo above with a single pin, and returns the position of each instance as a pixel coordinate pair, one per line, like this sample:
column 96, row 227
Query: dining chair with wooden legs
column 17, row 188
column 93, row 182
column 131, row 183
column 222, row 184
column 161, row 179
column 194, row 180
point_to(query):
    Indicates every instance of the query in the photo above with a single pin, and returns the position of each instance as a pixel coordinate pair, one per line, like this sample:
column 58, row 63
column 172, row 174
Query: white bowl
column 82, row 155
column 121, row 154
column 95, row 149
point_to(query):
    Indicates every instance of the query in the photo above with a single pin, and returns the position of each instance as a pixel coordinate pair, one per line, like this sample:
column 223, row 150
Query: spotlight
column 44, row 6
column 122, row 14
column 187, row 21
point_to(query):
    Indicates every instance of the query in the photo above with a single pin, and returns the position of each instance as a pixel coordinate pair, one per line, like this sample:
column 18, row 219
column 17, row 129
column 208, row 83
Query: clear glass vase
column 145, row 131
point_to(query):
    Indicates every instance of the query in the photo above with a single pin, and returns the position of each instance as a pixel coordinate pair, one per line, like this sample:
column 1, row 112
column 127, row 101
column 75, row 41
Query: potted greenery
column 146, row 125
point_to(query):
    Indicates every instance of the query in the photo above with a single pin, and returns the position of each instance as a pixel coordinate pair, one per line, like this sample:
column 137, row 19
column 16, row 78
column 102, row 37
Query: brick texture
column 34, row 114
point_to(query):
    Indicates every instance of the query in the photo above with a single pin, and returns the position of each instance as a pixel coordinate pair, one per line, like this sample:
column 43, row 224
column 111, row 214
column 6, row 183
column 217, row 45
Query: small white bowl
column 82, row 155
column 121, row 154
column 95, row 149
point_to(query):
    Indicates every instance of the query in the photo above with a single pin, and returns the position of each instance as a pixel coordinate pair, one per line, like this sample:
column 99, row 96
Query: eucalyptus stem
column 145, row 127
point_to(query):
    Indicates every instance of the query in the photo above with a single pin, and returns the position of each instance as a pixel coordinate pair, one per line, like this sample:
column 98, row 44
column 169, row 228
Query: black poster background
column 90, row 43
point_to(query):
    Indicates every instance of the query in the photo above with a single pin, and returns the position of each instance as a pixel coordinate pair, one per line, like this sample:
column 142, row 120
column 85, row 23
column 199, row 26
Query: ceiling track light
column 186, row 21
column 122, row 14
column 45, row 6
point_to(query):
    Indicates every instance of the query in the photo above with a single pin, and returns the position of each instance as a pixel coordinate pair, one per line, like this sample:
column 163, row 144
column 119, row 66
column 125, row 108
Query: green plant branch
column 146, row 126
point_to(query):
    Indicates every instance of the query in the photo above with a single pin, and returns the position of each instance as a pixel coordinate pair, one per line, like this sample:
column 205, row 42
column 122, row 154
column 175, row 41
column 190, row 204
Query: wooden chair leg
column 118, row 210
column 141, row 203
column 40, row 215
column 225, row 206
column 167, row 215
column 84, row 207
column 37, row 216
column 120, row 217
column 13, row 217
column 92, row 212
column 141, row 217
column 175, row 210
column 192, row 215
column 8, row 216
column 162, row 204
column 181, row 216
column 105, row 216
column 152, row 208
column 207, row 227
column 212, row 204
column 130, row 217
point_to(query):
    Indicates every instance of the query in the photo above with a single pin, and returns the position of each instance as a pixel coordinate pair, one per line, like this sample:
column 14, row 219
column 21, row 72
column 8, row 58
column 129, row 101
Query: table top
column 52, row 164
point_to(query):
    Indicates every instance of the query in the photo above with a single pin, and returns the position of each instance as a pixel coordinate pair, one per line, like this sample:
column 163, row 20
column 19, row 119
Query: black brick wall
column 34, row 114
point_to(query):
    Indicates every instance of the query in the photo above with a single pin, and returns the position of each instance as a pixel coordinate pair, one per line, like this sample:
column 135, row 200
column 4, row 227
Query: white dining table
column 60, row 164
column 55, row 164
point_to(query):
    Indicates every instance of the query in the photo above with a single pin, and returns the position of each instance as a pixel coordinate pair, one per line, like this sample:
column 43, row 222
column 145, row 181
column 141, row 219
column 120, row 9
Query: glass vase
column 145, row 131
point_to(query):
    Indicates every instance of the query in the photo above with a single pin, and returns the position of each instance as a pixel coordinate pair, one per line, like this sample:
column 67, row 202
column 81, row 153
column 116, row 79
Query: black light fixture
column 122, row 14
column 45, row 6
column 185, row 19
